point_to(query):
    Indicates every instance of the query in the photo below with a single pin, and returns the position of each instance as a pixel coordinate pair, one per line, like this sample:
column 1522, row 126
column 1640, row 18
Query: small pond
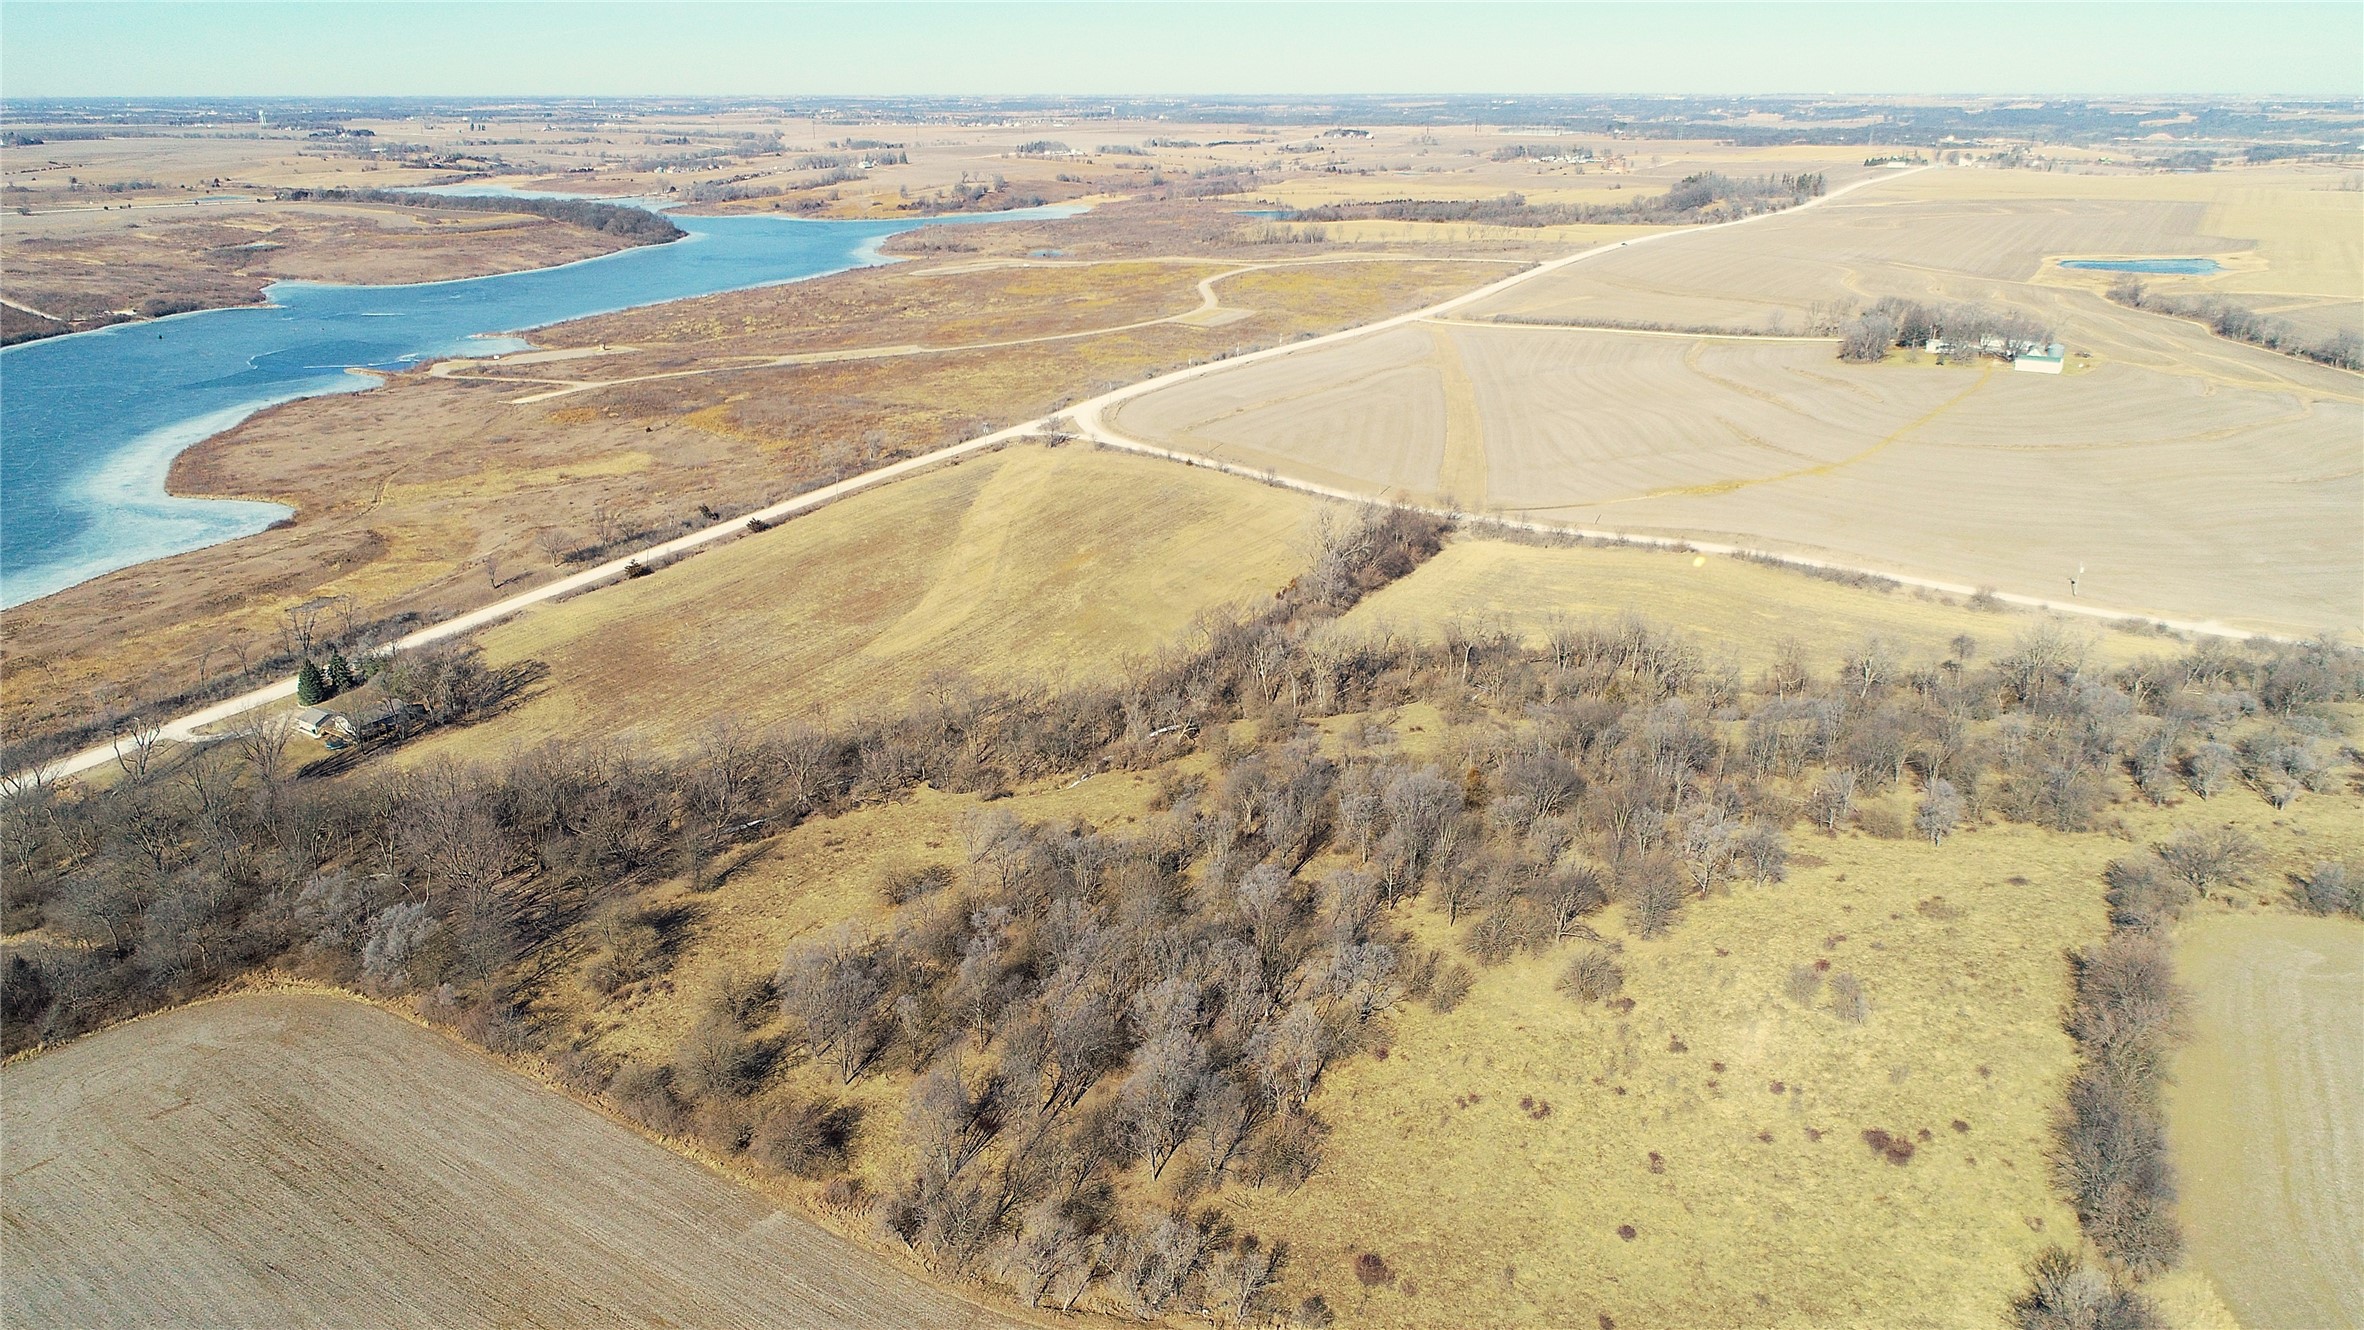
column 2156, row 267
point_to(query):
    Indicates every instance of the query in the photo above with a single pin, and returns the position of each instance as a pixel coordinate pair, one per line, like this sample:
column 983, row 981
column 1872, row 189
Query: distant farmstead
column 2047, row 360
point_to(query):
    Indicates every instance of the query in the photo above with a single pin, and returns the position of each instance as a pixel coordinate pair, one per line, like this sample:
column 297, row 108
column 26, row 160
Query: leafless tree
column 832, row 988
column 1940, row 811
column 136, row 740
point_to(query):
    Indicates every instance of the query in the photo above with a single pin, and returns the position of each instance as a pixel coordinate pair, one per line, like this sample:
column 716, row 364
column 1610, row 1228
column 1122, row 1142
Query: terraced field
column 2169, row 472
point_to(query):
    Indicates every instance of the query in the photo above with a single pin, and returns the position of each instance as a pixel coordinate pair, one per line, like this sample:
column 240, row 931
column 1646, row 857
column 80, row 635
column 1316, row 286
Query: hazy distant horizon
column 501, row 49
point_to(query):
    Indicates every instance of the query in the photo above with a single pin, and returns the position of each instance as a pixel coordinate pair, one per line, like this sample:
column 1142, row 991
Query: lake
column 90, row 423
column 2156, row 267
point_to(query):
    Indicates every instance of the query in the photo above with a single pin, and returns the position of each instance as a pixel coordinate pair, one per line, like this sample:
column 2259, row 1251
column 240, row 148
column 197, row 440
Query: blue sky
column 483, row 48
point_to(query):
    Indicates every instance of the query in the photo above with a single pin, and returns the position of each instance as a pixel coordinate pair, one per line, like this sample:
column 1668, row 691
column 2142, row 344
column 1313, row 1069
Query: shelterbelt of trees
column 1709, row 196
column 623, row 221
column 1100, row 1026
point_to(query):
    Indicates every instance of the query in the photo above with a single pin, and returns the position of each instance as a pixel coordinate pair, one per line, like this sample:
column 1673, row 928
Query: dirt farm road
column 1089, row 420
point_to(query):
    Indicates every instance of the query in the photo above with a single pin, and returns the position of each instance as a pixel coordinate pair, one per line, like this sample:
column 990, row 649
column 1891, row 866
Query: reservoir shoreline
column 93, row 420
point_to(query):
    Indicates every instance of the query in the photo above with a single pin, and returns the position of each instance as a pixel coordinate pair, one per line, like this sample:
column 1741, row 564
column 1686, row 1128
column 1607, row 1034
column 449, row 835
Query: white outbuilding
column 2047, row 361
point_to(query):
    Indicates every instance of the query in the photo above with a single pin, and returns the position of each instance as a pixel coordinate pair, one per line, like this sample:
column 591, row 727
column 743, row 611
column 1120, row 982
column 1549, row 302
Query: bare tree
column 1160, row 1096
column 1940, row 811
column 832, row 988
column 135, row 746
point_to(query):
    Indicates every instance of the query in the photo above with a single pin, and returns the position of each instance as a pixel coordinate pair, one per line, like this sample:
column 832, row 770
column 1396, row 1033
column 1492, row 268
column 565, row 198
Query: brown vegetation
column 1094, row 1026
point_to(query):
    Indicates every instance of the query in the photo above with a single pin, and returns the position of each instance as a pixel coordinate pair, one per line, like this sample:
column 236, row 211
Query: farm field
column 1986, row 235
column 2266, row 1114
column 296, row 1160
column 2186, row 476
column 1051, row 564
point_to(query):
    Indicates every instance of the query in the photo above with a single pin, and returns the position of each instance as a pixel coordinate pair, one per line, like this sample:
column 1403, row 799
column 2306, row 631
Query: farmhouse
column 2047, row 360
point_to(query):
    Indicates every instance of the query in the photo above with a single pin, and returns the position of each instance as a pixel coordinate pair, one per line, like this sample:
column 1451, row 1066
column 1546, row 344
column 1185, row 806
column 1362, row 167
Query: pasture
column 1055, row 564
column 1748, row 613
column 297, row 1160
column 1495, row 1155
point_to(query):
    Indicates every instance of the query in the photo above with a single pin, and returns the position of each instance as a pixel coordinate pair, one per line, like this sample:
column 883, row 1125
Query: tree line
column 1705, row 197
column 1103, row 1028
column 2340, row 350
column 637, row 226
column 1963, row 331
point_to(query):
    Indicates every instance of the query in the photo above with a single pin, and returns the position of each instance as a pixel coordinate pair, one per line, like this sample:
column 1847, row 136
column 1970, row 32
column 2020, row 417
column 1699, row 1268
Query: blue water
column 2159, row 267
column 90, row 423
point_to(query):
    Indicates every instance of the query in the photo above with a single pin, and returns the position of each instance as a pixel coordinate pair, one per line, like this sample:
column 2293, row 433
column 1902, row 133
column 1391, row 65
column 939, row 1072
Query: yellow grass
column 1049, row 563
column 1495, row 1216
column 1744, row 611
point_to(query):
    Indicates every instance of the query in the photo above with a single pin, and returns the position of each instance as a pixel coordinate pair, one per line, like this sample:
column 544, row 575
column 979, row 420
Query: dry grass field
column 295, row 1160
column 1492, row 1212
column 2185, row 475
column 1749, row 613
column 2268, row 1117
column 1052, row 564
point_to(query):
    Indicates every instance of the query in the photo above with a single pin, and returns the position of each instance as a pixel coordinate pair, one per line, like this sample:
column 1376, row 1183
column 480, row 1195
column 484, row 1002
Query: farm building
column 2045, row 361
column 322, row 723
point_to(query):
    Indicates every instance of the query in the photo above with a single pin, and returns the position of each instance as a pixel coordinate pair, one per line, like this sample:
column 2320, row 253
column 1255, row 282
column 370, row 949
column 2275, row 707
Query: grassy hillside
column 1747, row 612
column 1054, row 564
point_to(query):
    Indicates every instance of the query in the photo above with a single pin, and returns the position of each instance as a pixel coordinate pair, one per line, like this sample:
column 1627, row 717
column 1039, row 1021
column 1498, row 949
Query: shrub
column 1805, row 983
column 1940, row 811
column 2142, row 895
column 1848, row 1001
column 810, row 1139
column 2331, row 889
column 645, row 1094
column 2064, row 1293
column 2223, row 857
column 1451, row 986
column 1592, row 977
column 2113, row 1164
column 1653, row 896
column 1371, row 1270
column 2128, row 1009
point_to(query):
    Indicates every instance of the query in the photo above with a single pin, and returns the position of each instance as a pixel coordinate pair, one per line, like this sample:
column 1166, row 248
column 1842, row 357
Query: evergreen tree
column 311, row 689
column 340, row 674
